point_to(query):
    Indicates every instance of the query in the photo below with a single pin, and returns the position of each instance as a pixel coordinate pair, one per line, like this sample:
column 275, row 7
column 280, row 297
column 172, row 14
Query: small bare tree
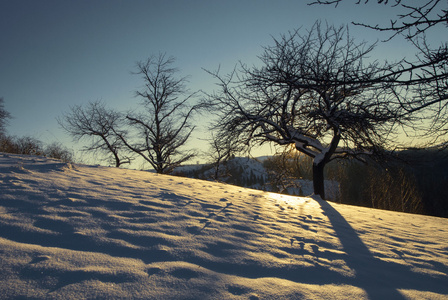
column 4, row 116
column 313, row 91
column 222, row 148
column 58, row 151
column 100, row 125
column 158, row 134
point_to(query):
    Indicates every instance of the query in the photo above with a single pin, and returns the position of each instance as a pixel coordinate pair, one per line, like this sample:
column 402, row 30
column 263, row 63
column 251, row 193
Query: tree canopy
column 421, row 83
column 158, row 132
column 314, row 90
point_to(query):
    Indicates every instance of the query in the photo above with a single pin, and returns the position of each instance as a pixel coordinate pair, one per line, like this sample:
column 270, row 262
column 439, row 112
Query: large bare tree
column 99, row 125
column 314, row 91
column 423, row 84
column 158, row 133
column 415, row 19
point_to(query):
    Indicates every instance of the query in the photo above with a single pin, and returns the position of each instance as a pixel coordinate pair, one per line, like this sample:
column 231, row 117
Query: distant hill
column 251, row 173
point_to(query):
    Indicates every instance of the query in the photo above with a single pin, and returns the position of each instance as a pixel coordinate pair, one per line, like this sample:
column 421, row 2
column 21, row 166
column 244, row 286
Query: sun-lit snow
column 70, row 231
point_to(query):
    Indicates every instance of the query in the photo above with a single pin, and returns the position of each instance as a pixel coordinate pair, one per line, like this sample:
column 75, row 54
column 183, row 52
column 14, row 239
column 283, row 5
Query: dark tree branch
column 99, row 124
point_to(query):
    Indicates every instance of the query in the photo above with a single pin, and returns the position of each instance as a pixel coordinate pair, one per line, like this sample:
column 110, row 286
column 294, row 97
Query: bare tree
column 222, row 148
column 423, row 82
column 4, row 116
column 27, row 145
column 58, row 151
column 314, row 91
column 416, row 18
column 98, row 124
column 158, row 134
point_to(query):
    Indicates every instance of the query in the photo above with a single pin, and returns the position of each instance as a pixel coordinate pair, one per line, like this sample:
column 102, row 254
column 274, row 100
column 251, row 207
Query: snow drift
column 76, row 231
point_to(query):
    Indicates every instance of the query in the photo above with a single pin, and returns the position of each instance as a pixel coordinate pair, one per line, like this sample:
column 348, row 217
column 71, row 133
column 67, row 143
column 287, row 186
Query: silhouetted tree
column 4, row 116
column 313, row 91
column 98, row 124
column 415, row 19
column 158, row 134
column 423, row 82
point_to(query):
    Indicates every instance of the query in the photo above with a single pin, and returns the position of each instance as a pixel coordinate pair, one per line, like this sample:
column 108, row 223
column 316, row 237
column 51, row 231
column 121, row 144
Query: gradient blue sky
column 57, row 53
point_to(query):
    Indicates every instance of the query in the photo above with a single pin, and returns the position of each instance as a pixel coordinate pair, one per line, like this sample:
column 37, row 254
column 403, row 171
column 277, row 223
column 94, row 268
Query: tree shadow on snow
column 378, row 278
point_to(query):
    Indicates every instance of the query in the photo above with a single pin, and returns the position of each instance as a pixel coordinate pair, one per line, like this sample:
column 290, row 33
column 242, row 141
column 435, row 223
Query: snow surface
column 76, row 231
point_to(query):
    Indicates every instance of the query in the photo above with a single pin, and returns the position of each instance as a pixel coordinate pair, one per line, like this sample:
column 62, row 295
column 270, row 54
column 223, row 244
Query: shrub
column 56, row 150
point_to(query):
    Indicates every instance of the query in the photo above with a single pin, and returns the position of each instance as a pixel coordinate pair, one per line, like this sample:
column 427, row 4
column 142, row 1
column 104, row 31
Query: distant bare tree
column 21, row 145
column 314, row 91
column 158, row 134
column 393, row 189
column 28, row 145
column 4, row 116
column 99, row 124
column 222, row 148
column 58, row 151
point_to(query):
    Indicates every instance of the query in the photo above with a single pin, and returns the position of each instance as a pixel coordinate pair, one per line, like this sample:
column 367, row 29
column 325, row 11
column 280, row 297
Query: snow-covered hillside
column 76, row 232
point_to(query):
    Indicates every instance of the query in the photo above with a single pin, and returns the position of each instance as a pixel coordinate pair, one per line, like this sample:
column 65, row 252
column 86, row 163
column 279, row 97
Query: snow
column 81, row 232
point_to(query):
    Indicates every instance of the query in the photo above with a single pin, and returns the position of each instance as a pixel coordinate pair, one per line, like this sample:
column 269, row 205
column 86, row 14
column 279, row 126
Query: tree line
column 28, row 145
column 314, row 89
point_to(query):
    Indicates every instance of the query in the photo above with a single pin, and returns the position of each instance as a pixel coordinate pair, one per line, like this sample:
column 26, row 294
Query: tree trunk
column 218, row 163
column 117, row 160
column 318, row 179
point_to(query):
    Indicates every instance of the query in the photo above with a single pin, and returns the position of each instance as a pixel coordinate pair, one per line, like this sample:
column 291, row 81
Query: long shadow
column 379, row 279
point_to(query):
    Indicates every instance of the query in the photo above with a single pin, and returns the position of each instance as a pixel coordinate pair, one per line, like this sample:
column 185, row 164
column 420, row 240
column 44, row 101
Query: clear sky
column 57, row 53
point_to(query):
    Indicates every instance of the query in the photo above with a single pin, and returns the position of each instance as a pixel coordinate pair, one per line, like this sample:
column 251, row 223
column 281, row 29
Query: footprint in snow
column 184, row 273
column 153, row 270
column 193, row 229
column 237, row 290
column 39, row 259
column 220, row 218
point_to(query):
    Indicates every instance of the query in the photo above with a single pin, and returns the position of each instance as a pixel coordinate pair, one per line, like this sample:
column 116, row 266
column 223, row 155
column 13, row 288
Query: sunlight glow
column 294, row 200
